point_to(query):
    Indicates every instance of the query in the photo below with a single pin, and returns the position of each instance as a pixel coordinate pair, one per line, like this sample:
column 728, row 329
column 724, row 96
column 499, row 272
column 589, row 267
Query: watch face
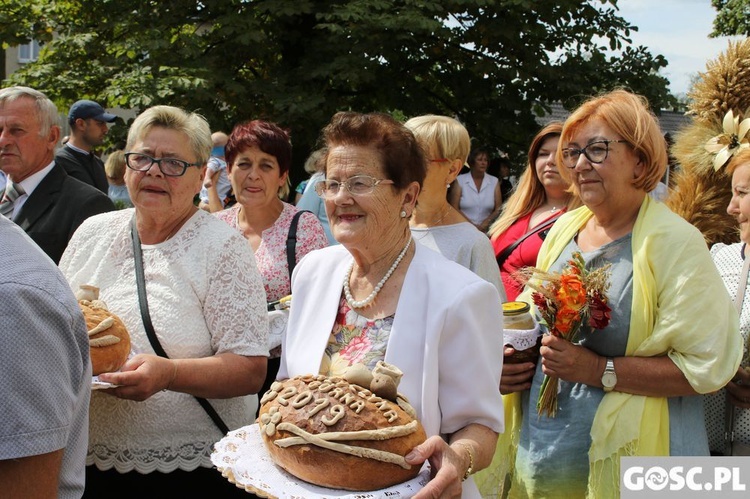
column 609, row 379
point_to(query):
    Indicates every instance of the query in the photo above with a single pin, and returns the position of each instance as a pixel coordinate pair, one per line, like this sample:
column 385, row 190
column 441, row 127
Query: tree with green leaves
column 495, row 64
column 732, row 18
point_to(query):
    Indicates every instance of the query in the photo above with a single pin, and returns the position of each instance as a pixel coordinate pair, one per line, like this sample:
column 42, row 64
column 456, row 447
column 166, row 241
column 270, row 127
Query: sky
column 678, row 30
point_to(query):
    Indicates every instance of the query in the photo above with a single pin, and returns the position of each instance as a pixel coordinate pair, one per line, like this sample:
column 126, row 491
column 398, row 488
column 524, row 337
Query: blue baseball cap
column 87, row 109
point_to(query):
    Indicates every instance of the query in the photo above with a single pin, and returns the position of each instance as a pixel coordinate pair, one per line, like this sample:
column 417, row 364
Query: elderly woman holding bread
column 381, row 296
column 199, row 329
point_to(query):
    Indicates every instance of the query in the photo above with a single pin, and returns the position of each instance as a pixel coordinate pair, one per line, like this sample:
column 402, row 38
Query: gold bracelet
column 470, row 452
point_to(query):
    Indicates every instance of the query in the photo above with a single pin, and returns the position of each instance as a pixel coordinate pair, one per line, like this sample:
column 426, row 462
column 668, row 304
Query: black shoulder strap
column 142, row 298
column 148, row 325
column 291, row 242
column 509, row 249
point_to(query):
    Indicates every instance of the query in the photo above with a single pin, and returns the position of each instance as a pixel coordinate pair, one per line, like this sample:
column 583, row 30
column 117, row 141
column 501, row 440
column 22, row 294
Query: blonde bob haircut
column 628, row 115
column 114, row 167
column 441, row 135
column 740, row 158
column 193, row 125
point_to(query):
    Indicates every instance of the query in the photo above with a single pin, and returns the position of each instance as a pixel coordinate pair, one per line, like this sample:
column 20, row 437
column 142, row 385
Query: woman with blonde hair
column 434, row 222
column 542, row 195
column 114, row 167
column 185, row 287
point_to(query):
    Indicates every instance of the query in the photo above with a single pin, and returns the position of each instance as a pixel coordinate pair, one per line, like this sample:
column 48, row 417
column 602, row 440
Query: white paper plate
column 100, row 385
column 103, row 385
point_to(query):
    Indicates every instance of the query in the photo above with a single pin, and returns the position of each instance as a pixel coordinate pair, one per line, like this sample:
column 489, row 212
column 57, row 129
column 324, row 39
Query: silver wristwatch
column 609, row 377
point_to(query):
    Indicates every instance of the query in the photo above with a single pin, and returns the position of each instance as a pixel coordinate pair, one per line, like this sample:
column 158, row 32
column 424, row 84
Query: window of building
column 28, row 52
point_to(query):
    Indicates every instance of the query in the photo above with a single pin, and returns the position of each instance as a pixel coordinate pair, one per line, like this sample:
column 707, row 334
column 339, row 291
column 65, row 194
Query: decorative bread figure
column 109, row 340
column 349, row 432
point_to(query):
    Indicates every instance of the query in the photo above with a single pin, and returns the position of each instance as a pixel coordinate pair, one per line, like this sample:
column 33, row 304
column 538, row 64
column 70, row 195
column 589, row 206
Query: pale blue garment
column 553, row 452
column 223, row 185
column 120, row 193
column 310, row 201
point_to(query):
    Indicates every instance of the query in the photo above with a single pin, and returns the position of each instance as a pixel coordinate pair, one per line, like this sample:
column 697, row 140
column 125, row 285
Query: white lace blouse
column 205, row 297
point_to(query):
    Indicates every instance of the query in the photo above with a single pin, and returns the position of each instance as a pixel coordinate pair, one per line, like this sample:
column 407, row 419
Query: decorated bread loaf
column 109, row 340
column 335, row 433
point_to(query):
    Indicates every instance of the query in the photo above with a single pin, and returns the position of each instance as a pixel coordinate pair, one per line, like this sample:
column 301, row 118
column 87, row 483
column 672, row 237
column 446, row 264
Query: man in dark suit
column 39, row 196
column 88, row 127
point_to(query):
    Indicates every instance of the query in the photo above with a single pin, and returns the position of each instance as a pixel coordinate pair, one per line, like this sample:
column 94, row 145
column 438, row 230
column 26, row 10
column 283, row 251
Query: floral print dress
column 355, row 340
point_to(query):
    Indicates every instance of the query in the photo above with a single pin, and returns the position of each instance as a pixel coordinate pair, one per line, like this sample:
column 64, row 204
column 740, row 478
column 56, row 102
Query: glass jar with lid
column 521, row 332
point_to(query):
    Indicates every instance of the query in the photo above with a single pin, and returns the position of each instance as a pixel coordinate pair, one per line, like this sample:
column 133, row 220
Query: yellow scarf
column 675, row 286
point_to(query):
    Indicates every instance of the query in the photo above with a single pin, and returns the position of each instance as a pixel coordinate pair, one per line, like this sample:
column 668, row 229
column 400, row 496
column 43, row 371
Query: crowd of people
column 390, row 254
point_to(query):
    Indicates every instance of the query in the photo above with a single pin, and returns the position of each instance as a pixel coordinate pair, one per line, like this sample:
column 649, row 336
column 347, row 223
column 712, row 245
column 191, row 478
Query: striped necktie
column 12, row 192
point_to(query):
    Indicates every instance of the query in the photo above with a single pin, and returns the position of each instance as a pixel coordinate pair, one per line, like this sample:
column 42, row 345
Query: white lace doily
column 521, row 339
column 242, row 458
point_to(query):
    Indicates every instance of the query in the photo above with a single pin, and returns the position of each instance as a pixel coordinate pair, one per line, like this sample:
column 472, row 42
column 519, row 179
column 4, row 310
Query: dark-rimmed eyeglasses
column 170, row 167
column 596, row 152
column 357, row 185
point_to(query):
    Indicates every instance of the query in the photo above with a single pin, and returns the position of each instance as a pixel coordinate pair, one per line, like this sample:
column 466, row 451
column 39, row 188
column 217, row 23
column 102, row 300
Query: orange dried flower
column 567, row 300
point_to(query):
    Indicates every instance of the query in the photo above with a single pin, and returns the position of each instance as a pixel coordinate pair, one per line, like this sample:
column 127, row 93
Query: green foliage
column 21, row 21
column 733, row 17
column 494, row 64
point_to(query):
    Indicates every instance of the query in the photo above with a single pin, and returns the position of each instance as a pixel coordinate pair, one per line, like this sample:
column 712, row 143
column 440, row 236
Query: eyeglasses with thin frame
column 439, row 160
column 358, row 185
column 170, row 167
column 596, row 152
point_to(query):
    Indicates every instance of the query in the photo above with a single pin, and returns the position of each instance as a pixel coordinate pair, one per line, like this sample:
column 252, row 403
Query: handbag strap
column 291, row 242
column 509, row 249
column 149, row 327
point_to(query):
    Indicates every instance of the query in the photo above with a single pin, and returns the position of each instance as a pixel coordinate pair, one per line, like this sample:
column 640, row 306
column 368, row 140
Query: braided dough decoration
column 336, row 434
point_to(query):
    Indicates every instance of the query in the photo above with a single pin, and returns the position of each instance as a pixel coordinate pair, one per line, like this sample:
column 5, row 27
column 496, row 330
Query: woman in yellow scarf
column 626, row 389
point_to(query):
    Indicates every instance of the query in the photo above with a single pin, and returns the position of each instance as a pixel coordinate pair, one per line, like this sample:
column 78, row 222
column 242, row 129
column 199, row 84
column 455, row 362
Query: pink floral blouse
column 355, row 340
column 271, row 254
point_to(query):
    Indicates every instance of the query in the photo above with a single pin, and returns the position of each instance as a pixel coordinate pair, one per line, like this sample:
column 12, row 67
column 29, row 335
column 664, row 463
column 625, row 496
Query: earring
column 403, row 213
column 447, row 186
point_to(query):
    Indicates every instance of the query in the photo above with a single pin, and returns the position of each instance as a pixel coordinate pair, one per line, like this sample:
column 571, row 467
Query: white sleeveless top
column 477, row 205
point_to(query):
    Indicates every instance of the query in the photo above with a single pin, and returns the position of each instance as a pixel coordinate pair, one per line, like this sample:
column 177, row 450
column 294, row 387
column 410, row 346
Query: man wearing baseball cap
column 88, row 127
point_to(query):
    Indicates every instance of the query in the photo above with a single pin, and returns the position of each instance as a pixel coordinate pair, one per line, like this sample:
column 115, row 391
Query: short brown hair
column 402, row 157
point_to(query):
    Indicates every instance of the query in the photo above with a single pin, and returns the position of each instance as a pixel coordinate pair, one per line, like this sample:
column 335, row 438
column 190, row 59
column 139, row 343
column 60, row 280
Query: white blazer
column 447, row 337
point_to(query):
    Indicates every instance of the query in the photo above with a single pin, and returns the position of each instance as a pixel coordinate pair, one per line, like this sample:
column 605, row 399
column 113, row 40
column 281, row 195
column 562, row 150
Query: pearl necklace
column 371, row 298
